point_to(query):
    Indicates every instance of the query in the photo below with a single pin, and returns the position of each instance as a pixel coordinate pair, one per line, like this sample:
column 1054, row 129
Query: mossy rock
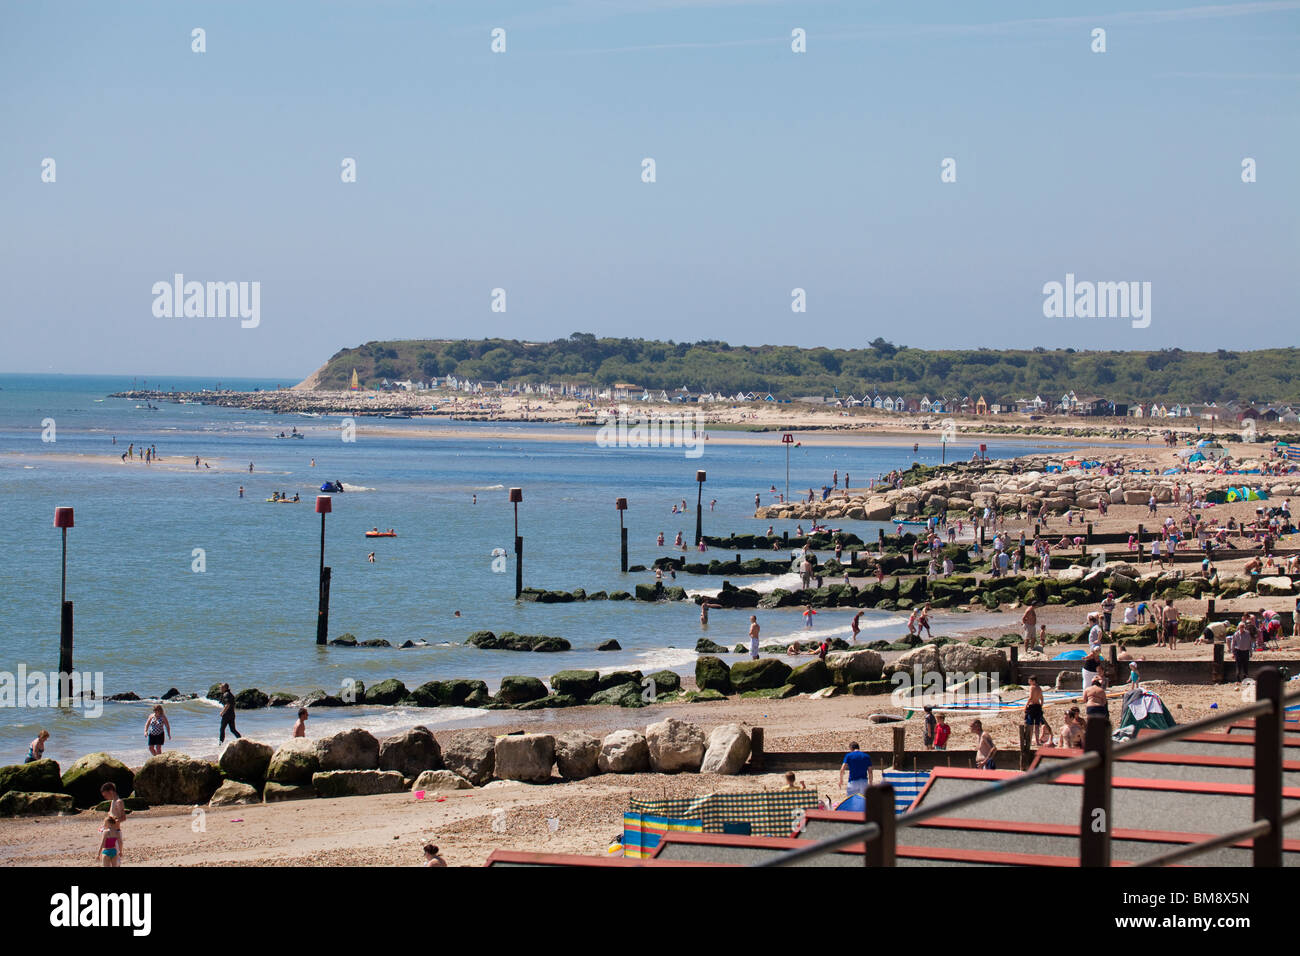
column 810, row 677
column 280, row 699
column 385, row 692
column 580, row 684
column 615, row 678
column 619, row 596
column 762, row 674
column 458, row 691
column 132, row 804
column 549, row 701
column 712, row 673
column 87, row 774
column 870, row 688
column 517, row 689
column 621, row 695
column 703, row 695
column 426, row 695
column 764, row 693
column 665, row 682
column 39, row 776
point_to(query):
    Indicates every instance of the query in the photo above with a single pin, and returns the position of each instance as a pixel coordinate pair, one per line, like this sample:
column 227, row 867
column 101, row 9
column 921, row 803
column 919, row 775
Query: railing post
column 1015, row 665
column 757, row 759
column 900, row 734
column 1216, row 665
column 880, row 811
column 1268, row 768
column 1094, row 813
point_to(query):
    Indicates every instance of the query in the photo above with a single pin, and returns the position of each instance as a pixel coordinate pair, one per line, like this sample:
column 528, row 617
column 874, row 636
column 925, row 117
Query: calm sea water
column 147, row 621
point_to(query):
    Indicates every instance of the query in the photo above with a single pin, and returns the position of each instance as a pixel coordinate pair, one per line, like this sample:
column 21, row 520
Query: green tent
column 1144, row 710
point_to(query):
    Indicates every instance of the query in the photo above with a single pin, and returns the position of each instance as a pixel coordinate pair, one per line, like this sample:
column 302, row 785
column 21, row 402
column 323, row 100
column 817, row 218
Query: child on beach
column 941, row 732
column 36, row 750
column 116, row 807
column 110, row 845
column 808, row 613
column 432, row 857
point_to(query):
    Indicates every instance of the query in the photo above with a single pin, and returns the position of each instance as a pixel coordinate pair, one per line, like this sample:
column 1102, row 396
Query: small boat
column 394, row 415
column 919, row 521
column 281, row 501
column 381, row 534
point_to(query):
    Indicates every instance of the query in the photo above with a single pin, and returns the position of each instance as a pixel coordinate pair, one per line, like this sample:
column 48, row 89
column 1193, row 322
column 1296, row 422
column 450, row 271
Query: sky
column 522, row 170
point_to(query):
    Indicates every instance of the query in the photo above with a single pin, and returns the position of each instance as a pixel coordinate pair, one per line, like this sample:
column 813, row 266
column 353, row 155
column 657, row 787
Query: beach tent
column 1144, row 710
column 907, row 785
column 1196, row 457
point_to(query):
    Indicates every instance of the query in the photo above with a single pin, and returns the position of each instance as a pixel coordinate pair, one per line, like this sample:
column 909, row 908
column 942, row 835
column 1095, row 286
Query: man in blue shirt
column 858, row 765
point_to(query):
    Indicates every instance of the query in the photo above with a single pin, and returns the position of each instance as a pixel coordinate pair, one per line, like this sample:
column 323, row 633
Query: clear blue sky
column 522, row 170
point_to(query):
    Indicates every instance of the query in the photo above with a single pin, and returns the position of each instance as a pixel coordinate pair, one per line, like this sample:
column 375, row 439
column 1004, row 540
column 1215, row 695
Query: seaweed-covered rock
column 251, row 699
column 615, row 678
column 706, row 646
column 458, row 691
column 357, row 783
column 427, row 694
column 622, row 695
column 578, row 684
column 519, row 690
column 233, row 793
column 664, row 682
column 549, row 702
column 385, row 692
column 87, row 774
column 19, row 803
column 764, row 673
column 846, row 667
column 811, row 676
column 712, row 673
column 39, row 776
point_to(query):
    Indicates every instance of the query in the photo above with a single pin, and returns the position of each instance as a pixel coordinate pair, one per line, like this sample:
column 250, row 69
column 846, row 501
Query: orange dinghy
column 381, row 534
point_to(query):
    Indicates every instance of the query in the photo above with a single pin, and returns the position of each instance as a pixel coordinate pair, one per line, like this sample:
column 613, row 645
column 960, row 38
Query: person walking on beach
column 856, row 626
column 753, row 637
column 1107, row 609
column 227, row 715
column 36, row 749
column 154, row 727
column 110, row 845
column 1170, row 627
column 986, row 750
column 300, row 728
column 858, row 766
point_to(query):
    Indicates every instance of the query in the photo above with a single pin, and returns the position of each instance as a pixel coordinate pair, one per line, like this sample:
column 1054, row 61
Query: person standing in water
column 154, row 727
column 855, row 626
column 753, row 637
column 227, row 715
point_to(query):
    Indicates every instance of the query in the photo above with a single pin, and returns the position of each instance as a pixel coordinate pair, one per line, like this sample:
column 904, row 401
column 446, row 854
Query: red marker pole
column 324, row 505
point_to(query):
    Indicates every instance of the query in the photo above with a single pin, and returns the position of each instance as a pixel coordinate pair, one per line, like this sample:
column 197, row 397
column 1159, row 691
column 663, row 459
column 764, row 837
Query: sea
column 178, row 582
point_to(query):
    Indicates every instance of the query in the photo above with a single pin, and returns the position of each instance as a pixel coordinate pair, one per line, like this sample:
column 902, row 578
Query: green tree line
column 1169, row 375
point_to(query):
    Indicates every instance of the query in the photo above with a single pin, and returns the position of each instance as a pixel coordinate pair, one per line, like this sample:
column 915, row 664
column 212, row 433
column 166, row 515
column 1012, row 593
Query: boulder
column 426, row 695
column 526, row 757
column 385, row 692
column 1069, row 680
column 87, row 774
column 280, row 792
column 1275, row 586
column 354, row 749
column 925, row 657
column 623, row 751
column 357, row 783
column 611, row 644
column 764, row 673
column 712, row 673
column 246, row 760
column 615, row 678
column 664, row 682
column 39, row 776
column 520, row 690
column 848, row 667
column 176, row 778
column 621, row 695
column 472, row 754
column 811, row 676
column 577, row 684
column 251, row 699
column 410, row 753
column 963, row 658
column 550, row 701
column 232, row 793
column 674, row 745
column 293, row 762
column 437, row 780
column 461, row 693
column 728, row 750
column 20, row 803
column 576, row 755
